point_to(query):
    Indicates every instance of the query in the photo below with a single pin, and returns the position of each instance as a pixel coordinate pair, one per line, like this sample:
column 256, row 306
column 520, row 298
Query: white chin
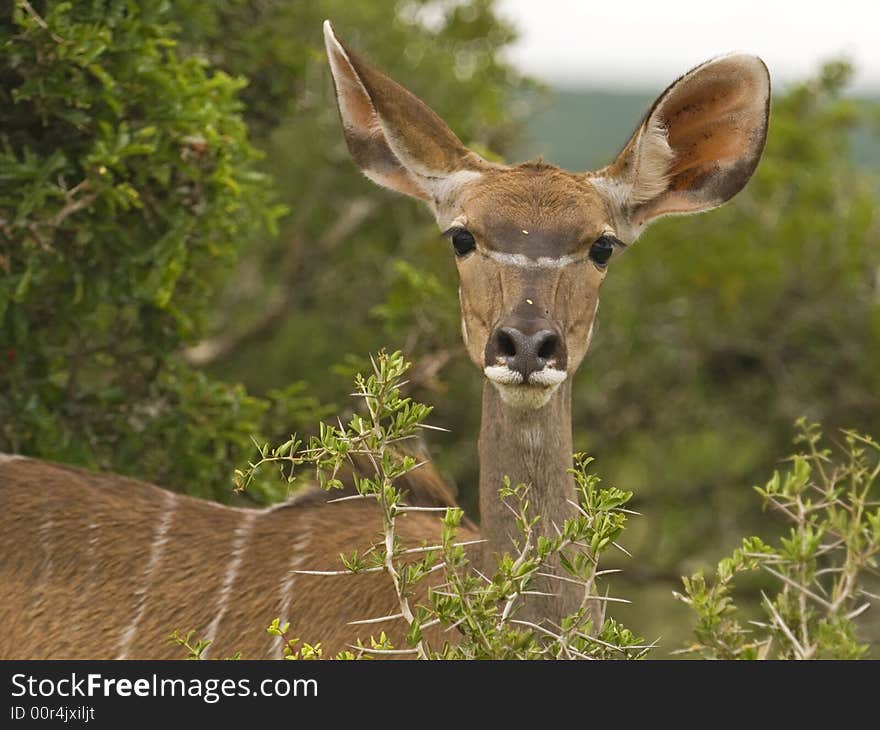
column 542, row 385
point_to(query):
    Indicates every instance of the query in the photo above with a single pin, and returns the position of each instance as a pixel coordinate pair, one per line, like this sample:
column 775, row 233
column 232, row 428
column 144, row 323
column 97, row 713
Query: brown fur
column 74, row 568
column 563, row 214
column 533, row 225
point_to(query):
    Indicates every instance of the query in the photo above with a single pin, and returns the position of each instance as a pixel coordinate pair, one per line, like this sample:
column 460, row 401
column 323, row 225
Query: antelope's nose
column 525, row 353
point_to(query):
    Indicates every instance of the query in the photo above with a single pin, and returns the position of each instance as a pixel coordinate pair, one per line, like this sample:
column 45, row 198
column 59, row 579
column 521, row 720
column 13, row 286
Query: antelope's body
column 106, row 567
column 102, row 566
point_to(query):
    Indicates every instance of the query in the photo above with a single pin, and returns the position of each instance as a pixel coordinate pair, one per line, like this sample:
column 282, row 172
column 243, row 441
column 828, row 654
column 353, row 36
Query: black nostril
column 547, row 348
column 526, row 353
column 505, row 343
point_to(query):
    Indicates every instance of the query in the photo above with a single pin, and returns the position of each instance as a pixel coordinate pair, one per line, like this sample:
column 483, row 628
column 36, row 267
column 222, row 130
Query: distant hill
column 866, row 146
column 584, row 129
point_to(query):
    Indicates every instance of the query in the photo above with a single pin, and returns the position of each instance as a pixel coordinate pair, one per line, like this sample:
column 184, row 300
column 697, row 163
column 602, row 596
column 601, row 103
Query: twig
column 616, row 647
column 563, row 578
column 794, row 584
column 350, row 497
column 780, row 623
column 377, row 569
column 411, row 508
column 39, row 20
column 72, row 207
column 859, row 611
column 383, row 651
column 429, row 548
column 379, row 620
column 530, row 625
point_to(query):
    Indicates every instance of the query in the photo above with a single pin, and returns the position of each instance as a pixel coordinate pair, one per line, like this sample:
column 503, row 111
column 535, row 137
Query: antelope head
column 532, row 242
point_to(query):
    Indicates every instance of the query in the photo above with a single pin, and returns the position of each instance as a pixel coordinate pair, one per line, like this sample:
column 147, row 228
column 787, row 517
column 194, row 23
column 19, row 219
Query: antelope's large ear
column 697, row 146
column 395, row 138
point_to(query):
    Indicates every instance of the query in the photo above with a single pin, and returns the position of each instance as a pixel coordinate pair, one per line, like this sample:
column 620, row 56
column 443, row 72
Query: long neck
column 532, row 447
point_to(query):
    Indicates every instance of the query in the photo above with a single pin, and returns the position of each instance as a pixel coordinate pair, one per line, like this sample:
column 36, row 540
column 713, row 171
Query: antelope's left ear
column 697, row 146
column 396, row 139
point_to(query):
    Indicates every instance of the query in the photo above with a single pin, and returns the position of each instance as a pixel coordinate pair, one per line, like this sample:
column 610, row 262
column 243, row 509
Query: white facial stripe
column 542, row 262
column 459, row 222
column 464, row 330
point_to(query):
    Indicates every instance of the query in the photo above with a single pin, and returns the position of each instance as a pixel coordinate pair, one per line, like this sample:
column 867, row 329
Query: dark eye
column 463, row 242
column 602, row 249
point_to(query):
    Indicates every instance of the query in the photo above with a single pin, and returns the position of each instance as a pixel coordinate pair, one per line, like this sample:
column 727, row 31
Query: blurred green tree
column 126, row 182
column 129, row 187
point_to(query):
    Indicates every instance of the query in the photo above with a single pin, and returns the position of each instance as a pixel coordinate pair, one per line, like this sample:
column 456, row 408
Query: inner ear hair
column 651, row 164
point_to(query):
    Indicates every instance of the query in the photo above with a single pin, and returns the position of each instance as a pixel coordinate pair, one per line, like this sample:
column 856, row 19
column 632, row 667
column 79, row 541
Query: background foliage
column 127, row 179
column 129, row 187
column 146, row 268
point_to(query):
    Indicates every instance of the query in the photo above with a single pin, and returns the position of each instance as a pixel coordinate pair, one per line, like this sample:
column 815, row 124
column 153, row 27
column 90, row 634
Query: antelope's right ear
column 395, row 138
column 697, row 146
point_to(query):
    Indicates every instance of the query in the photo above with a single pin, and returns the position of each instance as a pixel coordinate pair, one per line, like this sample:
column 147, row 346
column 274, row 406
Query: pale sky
column 648, row 43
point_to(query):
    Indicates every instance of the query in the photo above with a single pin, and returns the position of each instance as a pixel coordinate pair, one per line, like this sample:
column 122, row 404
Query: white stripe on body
column 47, row 528
column 297, row 556
column 239, row 544
column 157, row 549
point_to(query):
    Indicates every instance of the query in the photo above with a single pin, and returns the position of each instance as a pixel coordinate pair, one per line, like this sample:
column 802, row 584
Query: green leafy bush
column 129, row 188
column 127, row 183
column 817, row 575
column 482, row 608
column 819, row 569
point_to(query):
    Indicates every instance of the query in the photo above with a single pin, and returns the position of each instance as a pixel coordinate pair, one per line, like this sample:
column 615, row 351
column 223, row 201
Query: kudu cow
column 97, row 565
